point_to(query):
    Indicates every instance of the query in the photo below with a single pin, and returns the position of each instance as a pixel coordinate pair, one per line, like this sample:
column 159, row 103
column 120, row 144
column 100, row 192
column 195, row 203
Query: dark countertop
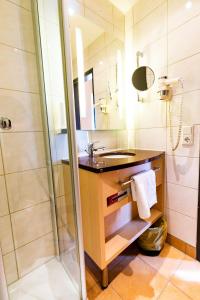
column 100, row 164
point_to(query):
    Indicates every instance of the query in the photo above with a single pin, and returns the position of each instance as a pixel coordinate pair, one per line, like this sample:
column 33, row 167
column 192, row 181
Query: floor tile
column 172, row 293
column 187, row 277
column 96, row 293
column 108, row 294
column 139, row 281
column 90, row 279
column 167, row 262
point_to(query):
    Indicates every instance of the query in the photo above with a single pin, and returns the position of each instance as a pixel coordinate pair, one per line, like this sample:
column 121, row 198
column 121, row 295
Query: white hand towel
column 143, row 189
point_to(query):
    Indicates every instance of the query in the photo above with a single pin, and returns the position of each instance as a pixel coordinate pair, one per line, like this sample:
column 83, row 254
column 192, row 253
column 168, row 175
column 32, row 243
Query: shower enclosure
column 46, row 257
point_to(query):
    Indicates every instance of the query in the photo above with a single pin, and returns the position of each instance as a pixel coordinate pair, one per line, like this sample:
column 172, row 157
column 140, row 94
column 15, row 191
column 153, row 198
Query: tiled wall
column 25, row 218
column 166, row 32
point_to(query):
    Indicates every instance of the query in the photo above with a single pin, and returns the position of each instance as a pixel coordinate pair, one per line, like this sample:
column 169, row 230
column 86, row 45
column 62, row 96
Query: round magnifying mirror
column 143, row 78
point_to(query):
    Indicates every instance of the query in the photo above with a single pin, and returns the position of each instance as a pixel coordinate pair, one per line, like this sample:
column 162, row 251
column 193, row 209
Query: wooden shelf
column 128, row 234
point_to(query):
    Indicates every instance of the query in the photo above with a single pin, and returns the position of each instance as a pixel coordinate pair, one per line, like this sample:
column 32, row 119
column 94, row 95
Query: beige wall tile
column 35, row 254
column 97, row 47
column 23, row 76
column 1, row 162
column 107, row 26
column 23, row 3
column 10, row 267
column 61, row 204
column 179, row 13
column 3, row 289
column 143, row 8
column 157, row 117
column 178, row 47
column 106, row 139
column 16, row 28
column 182, row 199
column 3, row 198
column 131, row 139
column 152, row 139
column 150, row 37
column 158, row 16
column 191, row 80
column 119, row 33
column 102, row 80
column 23, row 151
column 183, row 150
column 27, row 188
column 129, row 19
column 183, row 171
column 31, row 223
column 23, row 109
column 182, row 227
column 102, row 8
column 6, row 239
column 191, row 108
column 118, row 19
column 155, row 56
column 58, row 180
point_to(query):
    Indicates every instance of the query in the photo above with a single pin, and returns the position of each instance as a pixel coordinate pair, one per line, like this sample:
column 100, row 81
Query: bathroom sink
column 117, row 155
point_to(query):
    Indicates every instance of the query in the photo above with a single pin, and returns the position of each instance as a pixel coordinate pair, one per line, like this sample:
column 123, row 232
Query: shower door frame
column 71, row 130
column 198, row 220
column 70, row 112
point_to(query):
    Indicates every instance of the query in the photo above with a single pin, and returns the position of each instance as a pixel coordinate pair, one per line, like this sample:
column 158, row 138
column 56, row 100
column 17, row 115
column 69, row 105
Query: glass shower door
column 61, row 138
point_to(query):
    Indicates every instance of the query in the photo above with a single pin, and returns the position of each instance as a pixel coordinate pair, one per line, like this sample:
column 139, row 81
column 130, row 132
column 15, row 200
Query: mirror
column 98, row 74
column 89, row 121
column 143, row 78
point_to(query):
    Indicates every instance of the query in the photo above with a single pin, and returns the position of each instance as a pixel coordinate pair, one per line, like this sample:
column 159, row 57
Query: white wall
column 167, row 33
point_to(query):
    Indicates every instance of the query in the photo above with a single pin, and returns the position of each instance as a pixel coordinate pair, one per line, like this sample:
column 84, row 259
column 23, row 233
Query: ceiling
column 123, row 5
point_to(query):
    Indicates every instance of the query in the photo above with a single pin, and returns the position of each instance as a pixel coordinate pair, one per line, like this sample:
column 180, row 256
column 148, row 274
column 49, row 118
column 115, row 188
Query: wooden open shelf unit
column 128, row 234
column 108, row 230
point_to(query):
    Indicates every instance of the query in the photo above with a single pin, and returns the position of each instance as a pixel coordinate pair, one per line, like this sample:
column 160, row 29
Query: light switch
column 187, row 135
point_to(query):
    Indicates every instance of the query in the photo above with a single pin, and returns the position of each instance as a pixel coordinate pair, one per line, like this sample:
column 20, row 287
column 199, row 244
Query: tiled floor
column 170, row 276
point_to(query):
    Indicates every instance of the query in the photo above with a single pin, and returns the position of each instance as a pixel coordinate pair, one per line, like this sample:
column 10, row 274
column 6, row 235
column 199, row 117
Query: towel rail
column 123, row 184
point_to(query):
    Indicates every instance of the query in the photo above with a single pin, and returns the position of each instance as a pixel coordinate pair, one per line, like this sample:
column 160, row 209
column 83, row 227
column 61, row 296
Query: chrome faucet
column 91, row 149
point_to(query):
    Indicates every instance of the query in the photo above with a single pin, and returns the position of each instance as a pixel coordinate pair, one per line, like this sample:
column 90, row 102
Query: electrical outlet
column 188, row 135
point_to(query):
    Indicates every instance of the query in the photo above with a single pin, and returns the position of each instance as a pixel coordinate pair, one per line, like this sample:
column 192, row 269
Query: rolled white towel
column 143, row 188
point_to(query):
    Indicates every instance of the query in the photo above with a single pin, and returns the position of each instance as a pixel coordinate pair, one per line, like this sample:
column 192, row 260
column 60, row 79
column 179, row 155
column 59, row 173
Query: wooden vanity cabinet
column 108, row 230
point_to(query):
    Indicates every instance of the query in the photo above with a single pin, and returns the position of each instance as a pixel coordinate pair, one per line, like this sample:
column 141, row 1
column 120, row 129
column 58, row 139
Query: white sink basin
column 117, row 155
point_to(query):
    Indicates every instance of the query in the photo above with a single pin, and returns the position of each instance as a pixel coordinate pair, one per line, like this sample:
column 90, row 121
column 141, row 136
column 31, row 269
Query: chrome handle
column 123, row 184
column 5, row 123
column 99, row 148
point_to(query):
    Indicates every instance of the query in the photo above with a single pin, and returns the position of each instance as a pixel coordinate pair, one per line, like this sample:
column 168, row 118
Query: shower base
column 49, row 281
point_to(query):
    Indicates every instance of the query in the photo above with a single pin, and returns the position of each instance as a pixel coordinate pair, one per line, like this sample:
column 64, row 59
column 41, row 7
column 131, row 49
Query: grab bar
column 123, row 184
